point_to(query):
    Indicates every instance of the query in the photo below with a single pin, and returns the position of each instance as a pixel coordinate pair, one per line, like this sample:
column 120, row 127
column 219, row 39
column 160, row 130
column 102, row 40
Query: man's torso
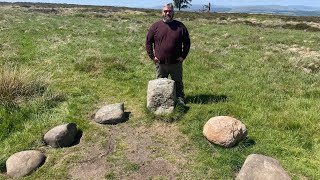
column 168, row 41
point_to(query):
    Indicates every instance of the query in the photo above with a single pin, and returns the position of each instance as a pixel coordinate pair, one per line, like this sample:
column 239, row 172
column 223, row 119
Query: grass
column 257, row 74
column 18, row 84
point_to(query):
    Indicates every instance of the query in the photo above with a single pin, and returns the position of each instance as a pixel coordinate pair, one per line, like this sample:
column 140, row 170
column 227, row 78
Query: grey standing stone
column 110, row 114
column 24, row 163
column 61, row 136
column 262, row 167
column 224, row 131
column 161, row 95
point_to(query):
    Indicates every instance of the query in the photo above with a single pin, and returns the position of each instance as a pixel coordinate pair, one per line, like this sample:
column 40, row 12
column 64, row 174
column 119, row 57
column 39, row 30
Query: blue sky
column 153, row 3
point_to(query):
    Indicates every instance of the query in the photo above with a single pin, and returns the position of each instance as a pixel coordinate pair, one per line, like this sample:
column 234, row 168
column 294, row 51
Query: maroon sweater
column 168, row 41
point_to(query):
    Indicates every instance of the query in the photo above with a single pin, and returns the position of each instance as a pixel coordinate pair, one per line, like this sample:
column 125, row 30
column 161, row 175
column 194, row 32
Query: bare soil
column 134, row 152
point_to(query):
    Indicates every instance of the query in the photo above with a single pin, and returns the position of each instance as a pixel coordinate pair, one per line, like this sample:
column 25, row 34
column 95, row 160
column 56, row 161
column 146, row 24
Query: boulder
column 24, row 163
column 262, row 167
column 161, row 96
column 110, row 114
column 224, row 131
column 61, row 136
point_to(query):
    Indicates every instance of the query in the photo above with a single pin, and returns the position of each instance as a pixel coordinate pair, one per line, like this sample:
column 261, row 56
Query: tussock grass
column 17, row 84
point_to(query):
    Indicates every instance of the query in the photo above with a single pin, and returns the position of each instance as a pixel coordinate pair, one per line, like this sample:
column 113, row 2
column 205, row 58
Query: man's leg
column 162, row 71
column 176, row 75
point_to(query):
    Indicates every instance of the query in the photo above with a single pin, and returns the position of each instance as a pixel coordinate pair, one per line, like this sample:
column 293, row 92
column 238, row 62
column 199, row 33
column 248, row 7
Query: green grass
column 247, row 72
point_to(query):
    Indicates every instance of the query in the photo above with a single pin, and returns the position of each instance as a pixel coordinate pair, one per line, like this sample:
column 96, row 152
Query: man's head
column 167, row 13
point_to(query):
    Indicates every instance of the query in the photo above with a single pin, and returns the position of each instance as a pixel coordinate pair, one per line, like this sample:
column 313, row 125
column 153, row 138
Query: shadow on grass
column 244, row 144
column 3, row 168
column 125, row 119
column 206, row 99
column 238, row 147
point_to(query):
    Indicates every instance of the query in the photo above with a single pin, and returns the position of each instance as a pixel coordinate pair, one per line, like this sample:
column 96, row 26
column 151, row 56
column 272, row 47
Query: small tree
column 181, row 3
column 206, row 8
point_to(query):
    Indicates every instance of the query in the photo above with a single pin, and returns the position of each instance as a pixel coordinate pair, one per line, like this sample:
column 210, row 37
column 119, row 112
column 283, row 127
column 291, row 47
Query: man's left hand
column 180, row 59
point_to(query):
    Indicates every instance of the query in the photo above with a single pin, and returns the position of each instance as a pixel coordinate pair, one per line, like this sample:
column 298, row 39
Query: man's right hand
column 156, row 60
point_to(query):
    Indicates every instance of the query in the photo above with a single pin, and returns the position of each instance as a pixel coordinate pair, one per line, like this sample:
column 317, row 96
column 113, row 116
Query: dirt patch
column 90, row 170
column 135, row 152
column 160, row 150
column 91, row 164
column 157, row 168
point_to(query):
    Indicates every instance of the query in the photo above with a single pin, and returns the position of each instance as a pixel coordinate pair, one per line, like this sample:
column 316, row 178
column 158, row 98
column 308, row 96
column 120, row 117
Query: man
column 168, row 44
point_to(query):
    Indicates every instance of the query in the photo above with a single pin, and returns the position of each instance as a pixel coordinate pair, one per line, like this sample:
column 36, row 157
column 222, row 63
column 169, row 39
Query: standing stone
column 161, row 96
column 262, row 167
column 61, row 136
column 24, row 163
column 110, row 114
column 224, row 131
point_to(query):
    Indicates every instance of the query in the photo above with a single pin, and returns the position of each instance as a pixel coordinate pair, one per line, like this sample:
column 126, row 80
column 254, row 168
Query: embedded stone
column 262, row 167
column 24, row 163
column 61, row 136
column 161, row 95
column 110, row 114
column 224, row 131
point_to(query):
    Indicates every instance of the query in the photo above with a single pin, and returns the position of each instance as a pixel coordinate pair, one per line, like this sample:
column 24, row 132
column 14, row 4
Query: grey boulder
column 110, row 114
column 24, row 163
column 262, row 167
column 61, row 136
column 161, row 96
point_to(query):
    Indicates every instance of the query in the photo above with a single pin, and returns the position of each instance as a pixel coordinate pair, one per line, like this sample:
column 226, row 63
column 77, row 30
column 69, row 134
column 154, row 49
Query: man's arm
column 150, row 43
column 186, row 43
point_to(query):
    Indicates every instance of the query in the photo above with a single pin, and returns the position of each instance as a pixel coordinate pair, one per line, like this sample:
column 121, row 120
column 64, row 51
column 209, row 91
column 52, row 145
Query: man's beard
column 167, row 18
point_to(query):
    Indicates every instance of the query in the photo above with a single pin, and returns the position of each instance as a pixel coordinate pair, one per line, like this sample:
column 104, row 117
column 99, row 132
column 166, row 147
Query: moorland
column 60, row 63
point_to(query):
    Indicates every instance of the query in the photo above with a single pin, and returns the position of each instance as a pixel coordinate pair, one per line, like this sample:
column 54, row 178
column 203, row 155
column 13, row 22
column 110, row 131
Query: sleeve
column 150, row 42
column 185, row 42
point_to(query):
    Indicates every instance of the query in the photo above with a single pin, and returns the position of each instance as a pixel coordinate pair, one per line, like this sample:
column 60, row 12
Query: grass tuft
column 110, row 175
column 19, row 84
column 176, row 115
column 89, row 64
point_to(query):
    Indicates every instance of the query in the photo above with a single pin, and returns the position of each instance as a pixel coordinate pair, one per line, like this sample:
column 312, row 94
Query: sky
column 154, row 3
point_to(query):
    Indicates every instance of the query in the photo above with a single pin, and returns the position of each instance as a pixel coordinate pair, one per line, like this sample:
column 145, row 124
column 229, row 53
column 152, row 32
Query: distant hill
column 265, row 9
column 283, row 10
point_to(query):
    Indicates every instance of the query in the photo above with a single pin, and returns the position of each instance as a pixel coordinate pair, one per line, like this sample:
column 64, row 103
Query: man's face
column 167, row 14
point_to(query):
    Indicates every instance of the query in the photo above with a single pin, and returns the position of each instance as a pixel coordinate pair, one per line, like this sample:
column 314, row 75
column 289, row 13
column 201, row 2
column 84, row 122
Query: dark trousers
column 175, row 72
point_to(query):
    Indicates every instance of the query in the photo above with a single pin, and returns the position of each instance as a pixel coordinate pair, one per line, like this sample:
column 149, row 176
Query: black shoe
column 180, row 101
